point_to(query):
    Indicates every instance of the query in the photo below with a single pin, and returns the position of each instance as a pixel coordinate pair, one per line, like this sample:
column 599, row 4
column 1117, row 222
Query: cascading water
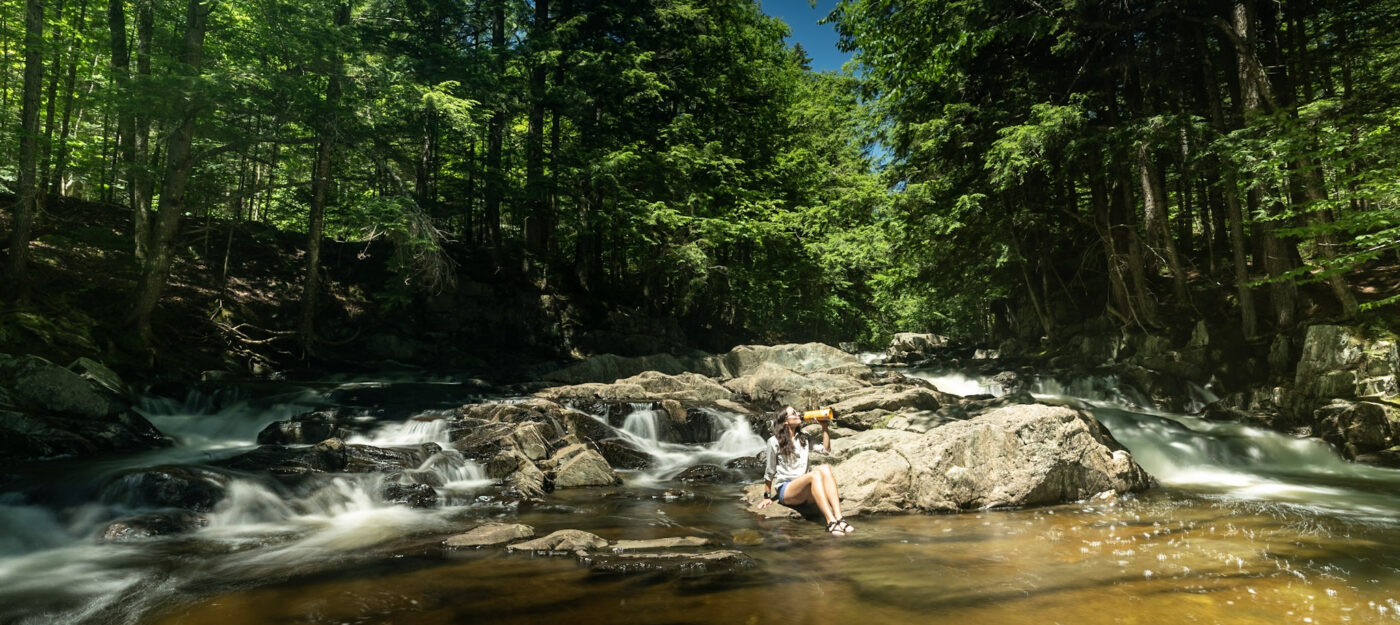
column 1251, row 527
column 642, row 427
column 1228, row 460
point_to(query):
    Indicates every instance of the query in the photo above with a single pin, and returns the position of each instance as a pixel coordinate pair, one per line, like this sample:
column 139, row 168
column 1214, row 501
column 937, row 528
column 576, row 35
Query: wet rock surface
column 48, row 411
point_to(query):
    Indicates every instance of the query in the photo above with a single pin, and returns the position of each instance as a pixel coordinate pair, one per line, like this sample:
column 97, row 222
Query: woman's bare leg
column 829, row 487
column 808, row 488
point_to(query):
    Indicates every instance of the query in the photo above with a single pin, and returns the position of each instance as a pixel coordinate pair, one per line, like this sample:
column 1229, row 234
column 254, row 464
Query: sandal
column 845, row 527
column 833, row 529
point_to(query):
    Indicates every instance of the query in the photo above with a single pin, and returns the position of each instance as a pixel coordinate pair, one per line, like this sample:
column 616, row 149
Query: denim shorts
column 781, row 488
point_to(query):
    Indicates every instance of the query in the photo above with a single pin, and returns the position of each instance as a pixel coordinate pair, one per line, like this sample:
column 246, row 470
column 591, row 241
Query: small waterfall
column 216, row 421
column 427, row 427
column 248, row 503
column 642, row 423
column 958, row 383
column 1097, row 388
column 734, row 438
column 453, row 471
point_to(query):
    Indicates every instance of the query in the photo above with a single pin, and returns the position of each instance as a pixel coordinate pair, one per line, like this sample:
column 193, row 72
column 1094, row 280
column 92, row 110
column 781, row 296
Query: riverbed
column 1248, row 526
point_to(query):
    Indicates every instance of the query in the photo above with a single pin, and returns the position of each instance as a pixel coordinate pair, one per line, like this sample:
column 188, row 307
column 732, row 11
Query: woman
column 787, row 467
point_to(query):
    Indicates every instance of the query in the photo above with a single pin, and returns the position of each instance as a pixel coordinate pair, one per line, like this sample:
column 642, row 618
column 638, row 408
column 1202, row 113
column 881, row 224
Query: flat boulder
column 488, row 535
column 652, row 544
column 648, row 386
column 1021, row 455
column 567, row 541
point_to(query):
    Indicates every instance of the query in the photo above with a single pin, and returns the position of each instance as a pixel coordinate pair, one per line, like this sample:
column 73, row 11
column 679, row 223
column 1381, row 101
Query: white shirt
column 782, row 469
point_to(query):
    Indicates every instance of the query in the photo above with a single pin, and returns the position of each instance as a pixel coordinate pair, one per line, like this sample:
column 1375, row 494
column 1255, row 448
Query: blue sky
column 818, row 39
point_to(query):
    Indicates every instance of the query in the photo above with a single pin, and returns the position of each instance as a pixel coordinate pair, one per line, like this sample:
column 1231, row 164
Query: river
column 1248, row 526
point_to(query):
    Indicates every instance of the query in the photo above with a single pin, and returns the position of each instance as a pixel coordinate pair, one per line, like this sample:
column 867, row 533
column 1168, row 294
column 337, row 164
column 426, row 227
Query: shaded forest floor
column 234, row 298
column 231, row 304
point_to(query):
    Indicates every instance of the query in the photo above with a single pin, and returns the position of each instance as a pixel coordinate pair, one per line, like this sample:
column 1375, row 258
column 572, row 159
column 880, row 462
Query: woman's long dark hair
column 785, row 447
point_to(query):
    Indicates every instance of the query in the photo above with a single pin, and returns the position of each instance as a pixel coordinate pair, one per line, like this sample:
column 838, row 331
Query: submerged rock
column 1014, row 456
column 184, row 487
column 705, row 473
column 304, row 429
column 712, row 563
column 145, row 526
column 411, row 495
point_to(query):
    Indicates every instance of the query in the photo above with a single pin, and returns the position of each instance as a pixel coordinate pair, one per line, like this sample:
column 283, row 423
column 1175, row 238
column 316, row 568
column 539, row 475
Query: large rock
column 39, row 386
column 906, row 346
column 48, row 411
column 771, row 385
column 1014, row 456
column 1355, row 428
column 645, row 386
column 26, row 437
column 578, row 465
column 620, row 453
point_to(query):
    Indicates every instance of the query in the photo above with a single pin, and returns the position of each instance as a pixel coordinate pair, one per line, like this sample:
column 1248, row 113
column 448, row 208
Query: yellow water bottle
column 823, row 414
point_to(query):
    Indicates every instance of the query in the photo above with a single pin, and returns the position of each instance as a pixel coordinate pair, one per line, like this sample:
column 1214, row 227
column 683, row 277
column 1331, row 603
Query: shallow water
column 1248, row 526
column 1166, row 557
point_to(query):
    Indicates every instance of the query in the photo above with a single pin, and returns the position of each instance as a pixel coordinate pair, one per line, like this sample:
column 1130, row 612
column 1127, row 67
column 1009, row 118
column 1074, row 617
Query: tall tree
column 321, row 181
column 178, row 165
column 28, row 198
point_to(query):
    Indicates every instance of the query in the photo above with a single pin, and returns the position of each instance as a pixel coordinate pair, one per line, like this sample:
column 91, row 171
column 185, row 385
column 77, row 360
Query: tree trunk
column 140, row 182
column 70, row 83
column 1119, row 304
column 126, row 121
column 51, row 105
column 1234, row 215
column 495, row 132
column 537, row 230
column 320, row 183
column 27, row 195
column 1257, row 92
column 179, row 162
column 1154, row 200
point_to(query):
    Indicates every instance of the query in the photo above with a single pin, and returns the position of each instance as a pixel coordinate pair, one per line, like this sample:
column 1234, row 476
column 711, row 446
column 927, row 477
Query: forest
column 984, row 170
column 638, row 311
